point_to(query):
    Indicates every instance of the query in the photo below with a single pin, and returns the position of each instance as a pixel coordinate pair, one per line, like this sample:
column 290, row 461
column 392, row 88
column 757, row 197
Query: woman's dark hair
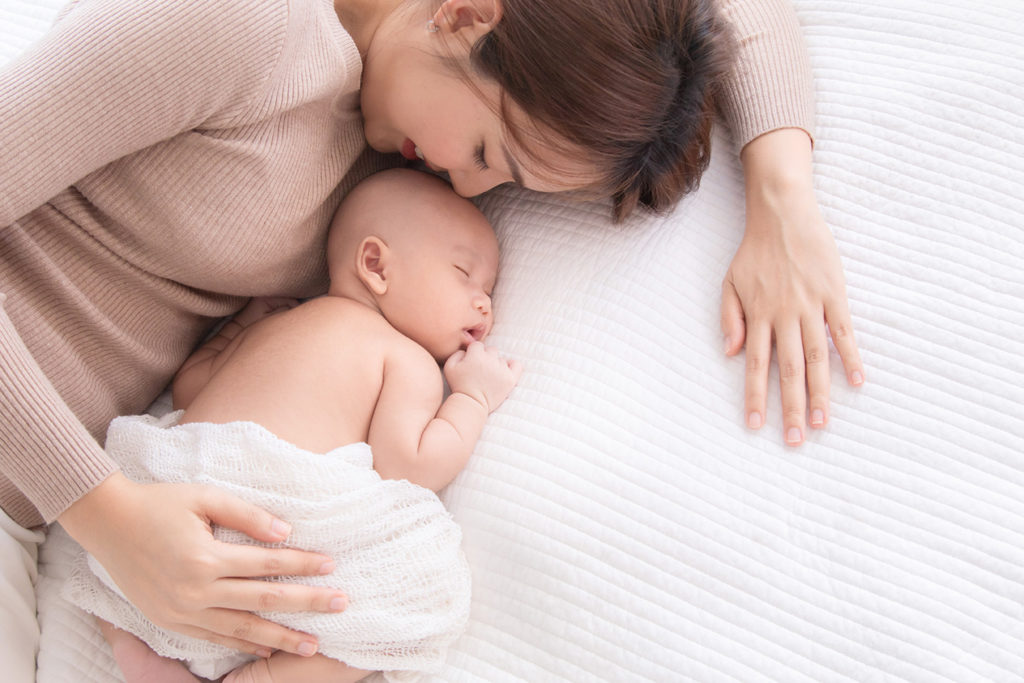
column 634, row 84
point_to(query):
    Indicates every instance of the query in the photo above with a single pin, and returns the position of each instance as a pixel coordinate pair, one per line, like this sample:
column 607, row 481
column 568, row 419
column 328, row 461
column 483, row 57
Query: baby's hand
column 263, row 306
column 482, row 374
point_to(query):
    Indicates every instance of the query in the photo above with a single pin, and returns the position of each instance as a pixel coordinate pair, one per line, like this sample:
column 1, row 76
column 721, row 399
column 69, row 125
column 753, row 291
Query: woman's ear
column 372, row 261
column 478, row 16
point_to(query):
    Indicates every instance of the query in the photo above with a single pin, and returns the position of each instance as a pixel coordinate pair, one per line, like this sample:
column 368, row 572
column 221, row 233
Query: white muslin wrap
column 397, row 549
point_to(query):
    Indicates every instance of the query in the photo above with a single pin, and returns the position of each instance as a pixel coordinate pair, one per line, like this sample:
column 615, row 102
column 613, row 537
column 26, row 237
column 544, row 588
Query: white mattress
column 623, row 525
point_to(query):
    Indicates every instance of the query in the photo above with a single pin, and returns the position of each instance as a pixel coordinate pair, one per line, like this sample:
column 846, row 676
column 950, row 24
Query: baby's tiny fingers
column 516, row 367
column 454, row 359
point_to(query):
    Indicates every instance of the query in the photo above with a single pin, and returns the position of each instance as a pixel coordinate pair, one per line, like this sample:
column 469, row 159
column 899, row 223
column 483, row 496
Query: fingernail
column 754, row 420
column 307, row 649
column 338, row 604
column 817, row 417
column 857, row 378
column 280, row 528
column 726, row 344
column 794, row 436
column 327, row 567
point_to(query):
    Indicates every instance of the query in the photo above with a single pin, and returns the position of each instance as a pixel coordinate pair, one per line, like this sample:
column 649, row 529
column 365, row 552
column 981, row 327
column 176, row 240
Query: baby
column 284, row 407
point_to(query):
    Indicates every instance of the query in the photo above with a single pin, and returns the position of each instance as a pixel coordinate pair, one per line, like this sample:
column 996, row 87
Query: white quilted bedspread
column 622, row 524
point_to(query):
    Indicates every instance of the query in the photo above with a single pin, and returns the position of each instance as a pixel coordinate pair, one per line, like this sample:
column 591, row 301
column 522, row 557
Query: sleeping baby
column 330, row 414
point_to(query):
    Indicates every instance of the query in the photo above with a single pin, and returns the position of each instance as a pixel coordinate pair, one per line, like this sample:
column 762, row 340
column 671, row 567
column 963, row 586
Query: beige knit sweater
column 162, row 161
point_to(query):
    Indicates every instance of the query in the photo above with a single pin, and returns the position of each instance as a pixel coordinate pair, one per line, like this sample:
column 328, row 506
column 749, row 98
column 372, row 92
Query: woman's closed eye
column 481, row 160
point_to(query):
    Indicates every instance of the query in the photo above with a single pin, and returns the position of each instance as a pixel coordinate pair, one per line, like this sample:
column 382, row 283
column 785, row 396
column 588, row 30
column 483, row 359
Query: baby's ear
column 372, row 264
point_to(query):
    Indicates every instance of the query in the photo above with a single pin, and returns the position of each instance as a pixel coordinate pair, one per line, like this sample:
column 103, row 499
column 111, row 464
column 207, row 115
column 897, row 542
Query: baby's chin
column 443, row 354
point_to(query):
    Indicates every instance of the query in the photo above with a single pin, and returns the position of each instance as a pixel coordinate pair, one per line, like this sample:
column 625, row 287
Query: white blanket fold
column 396, row 548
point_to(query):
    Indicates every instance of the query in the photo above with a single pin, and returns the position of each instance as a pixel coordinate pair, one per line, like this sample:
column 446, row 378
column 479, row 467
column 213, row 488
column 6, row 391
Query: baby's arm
column 199, row 367
column 412, row 438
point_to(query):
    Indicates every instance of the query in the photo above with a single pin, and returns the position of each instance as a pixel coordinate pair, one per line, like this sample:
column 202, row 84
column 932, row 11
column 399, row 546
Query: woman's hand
column 156, row 542
column 261, row 307
column 785, row 282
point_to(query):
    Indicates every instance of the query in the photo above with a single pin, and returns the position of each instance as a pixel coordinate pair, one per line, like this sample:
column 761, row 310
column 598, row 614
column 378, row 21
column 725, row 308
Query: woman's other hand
column 156, row 542
column 784, row 284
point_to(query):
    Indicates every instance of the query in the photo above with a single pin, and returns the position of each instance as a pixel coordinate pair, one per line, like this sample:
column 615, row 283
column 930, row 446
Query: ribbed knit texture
column 162, row 161
column 771, row 86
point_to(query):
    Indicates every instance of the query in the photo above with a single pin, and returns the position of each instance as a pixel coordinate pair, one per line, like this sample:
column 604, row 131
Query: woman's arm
column 786, row 280
column 112, row 77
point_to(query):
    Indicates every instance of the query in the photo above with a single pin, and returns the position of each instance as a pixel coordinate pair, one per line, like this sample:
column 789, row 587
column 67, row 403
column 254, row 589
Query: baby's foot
column 139, row 663
column 257, row 671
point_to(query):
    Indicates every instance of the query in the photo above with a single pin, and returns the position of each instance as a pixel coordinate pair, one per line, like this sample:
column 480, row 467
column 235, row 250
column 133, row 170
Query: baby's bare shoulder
column 334, row 316
column 328, row 325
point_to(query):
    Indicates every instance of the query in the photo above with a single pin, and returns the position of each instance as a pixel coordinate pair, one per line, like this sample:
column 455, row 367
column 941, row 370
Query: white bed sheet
column 620, row 521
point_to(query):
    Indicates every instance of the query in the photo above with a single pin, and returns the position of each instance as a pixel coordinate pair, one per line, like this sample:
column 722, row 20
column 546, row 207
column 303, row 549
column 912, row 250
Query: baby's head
column 404, row 243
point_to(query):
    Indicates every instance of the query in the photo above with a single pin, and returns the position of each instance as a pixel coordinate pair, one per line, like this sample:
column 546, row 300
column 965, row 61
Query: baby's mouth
column 474, row 334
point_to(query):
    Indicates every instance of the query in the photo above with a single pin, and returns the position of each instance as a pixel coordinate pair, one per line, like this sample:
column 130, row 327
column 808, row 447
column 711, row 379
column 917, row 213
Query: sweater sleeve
column 112, row 77
column 115, row 76
column 771, row 85
column 44, row 450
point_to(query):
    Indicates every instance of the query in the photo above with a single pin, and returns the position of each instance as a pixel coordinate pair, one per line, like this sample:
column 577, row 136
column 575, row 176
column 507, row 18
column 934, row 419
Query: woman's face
column 415, row 105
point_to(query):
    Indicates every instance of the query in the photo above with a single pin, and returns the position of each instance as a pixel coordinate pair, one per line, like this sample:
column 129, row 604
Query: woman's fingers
column 232, row 512
column 840, row 326
column 733, row 323
column 250, row 560
column 792, row 381
column 819, row 382
column 229, row 601
column 276, row 596
column 253, row 634
column 226, row 641
column 759, row 358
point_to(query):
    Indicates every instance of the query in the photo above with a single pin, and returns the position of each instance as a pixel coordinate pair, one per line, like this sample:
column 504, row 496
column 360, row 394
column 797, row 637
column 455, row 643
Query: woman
column 164, row 161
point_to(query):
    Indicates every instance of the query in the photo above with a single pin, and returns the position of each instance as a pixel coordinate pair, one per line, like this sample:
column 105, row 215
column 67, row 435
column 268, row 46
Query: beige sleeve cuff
column 771, row 86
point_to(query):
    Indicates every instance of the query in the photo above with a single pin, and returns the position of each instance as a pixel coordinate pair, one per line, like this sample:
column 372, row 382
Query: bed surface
column 622, row 524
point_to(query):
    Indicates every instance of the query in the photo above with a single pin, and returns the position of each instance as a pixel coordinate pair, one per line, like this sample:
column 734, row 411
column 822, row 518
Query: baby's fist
column 480, row 372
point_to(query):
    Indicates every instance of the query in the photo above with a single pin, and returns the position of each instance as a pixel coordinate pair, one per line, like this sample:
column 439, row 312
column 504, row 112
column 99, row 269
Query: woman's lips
column 410, row 151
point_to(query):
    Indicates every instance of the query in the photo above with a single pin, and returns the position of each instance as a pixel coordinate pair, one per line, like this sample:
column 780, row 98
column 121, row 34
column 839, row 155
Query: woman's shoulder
column 229, row 44
column 198, row 22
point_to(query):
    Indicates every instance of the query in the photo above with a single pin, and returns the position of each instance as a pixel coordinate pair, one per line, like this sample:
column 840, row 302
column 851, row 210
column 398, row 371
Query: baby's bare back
column 311, row 375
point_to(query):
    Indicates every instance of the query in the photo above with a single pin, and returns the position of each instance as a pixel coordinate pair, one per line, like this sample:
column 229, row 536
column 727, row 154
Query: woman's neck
column 362, row 18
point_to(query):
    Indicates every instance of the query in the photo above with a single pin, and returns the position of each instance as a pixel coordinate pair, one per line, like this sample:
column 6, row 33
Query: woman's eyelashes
column 481, row 160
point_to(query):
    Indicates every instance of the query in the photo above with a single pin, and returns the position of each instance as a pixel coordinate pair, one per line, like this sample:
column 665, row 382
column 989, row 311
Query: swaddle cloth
column 396, row 548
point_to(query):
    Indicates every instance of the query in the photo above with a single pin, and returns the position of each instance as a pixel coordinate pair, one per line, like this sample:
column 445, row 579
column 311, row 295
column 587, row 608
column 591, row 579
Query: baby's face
column 444, row 291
